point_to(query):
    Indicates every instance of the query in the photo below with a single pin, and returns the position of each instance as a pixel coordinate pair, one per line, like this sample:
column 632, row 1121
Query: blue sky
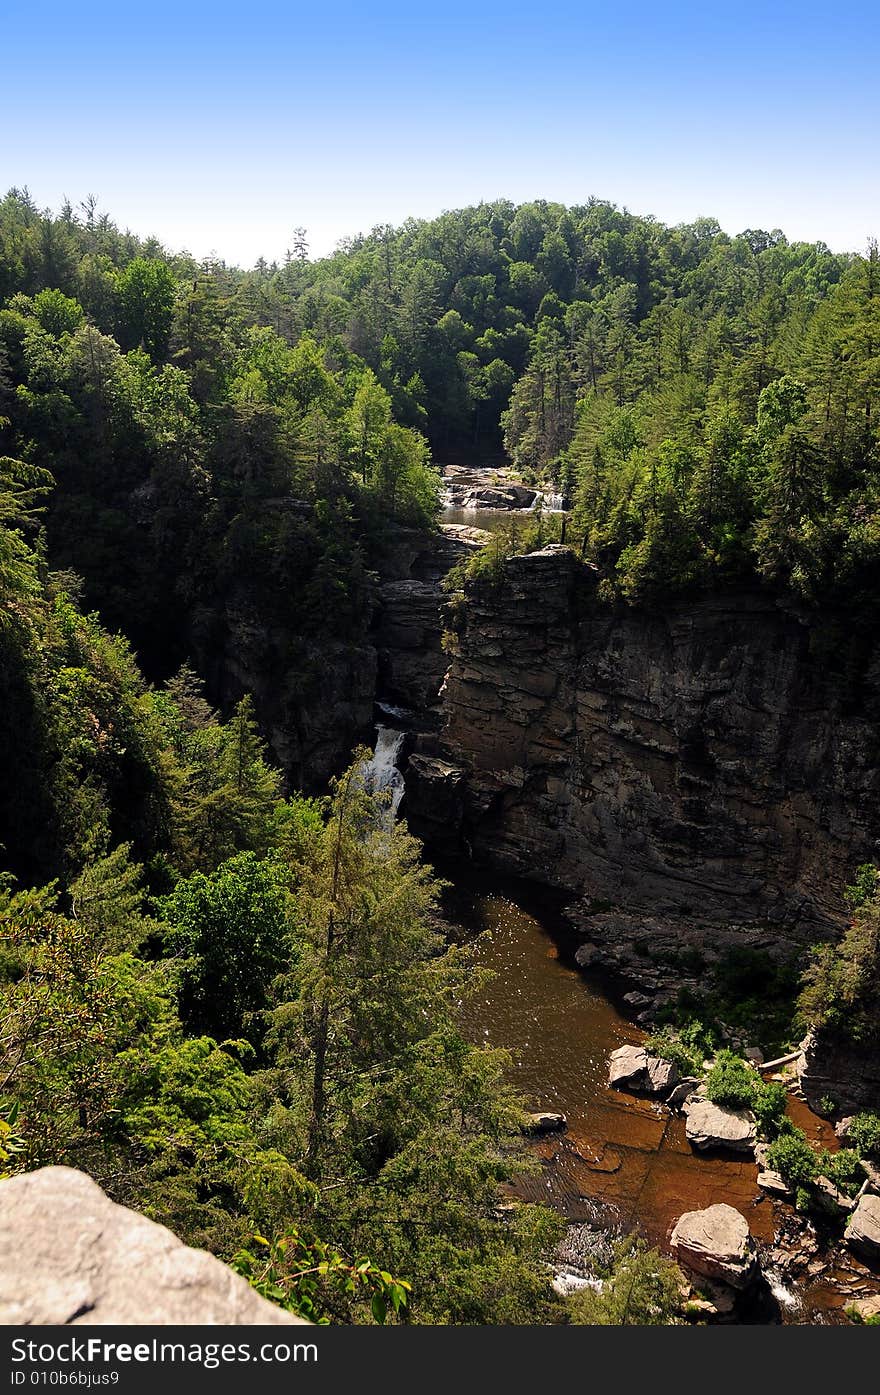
column 222, row 127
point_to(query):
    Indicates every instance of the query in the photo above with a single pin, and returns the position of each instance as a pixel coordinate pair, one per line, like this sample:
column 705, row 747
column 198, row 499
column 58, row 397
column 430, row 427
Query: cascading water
column 381, row 773
column 548, row 503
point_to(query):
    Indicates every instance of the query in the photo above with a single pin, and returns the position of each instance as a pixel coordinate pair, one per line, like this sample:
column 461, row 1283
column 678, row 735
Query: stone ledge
column 70, row 1255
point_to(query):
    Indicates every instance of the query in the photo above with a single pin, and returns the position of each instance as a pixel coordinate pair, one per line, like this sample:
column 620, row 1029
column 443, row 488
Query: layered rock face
column 694, row 766
column 409, row 628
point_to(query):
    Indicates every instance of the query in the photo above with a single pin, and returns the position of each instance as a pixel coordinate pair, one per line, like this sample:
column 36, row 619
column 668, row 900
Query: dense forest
column 231, row 1003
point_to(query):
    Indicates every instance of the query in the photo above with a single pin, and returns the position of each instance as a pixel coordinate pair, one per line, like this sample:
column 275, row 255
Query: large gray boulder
column 627, row 1067
column 632, row 1068
column 716, row 1242
column 863, row 1227
column 714, row 1126
column 68, row 1254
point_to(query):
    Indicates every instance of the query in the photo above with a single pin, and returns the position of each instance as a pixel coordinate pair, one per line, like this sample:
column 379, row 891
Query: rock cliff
column 698, row 769
column 316, row 697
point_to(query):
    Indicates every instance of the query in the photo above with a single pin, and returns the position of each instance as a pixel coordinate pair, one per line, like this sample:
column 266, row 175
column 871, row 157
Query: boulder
column 628, row 1067
column 774, row 1184
column 545, row 1121
column 716, row 1242
column 714, row 1126
column 755, row 1055
column 833, row 1194
column 68, row 1254
column 863, row 1227
column 635, row 999
column 868, row 1307
column 632, row 1068
column 585, row 955
column 662, row 1075
column 682, row 1092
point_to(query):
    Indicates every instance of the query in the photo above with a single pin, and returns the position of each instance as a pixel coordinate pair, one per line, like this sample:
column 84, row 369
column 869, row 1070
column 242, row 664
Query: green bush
column 672, row 1047
column 792, row 1157
column 731, row 1081
column 864, row 1134
column 769, row 1106
column 843, row 1169
column 640, row 1288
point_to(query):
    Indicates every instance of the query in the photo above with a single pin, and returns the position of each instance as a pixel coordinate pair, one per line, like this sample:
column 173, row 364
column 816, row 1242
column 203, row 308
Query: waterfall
column 381, row 772
column 548, row 503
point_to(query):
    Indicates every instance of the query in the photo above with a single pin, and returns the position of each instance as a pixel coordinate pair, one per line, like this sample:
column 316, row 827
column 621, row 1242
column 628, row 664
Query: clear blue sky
column 221, row 127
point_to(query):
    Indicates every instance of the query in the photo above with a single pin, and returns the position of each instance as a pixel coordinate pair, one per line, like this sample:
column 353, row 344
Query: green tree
column 145, row 292
column 231, row 931
column 374, row 1083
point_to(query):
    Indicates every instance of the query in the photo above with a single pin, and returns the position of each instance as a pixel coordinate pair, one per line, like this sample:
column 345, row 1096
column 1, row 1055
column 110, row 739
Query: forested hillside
column 621, row 359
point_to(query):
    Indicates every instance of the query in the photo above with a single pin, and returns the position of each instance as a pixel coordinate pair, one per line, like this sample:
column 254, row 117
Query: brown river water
column 624, row 1162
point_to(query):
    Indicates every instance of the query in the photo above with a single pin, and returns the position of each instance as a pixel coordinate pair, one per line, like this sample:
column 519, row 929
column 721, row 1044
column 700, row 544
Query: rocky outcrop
column 69, row 1255
column 711, row 1125
column 716, row 1242
column 408, row 633
column 316, row 697
column 833, row 1069
column 697, row 769
column 313, row 698
column 480, row 488
column 411, row 659
column 502, row 496
column 863, row 1227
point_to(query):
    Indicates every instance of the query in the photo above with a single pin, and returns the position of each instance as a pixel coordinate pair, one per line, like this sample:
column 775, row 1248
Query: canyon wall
column 698, row 768
column 316, row 698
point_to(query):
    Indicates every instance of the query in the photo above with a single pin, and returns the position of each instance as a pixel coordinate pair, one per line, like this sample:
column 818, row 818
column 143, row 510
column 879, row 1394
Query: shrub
column 841, row 985
column 855, row 1316
column 670, row 1045
column 731, row 1081
column 864, row 1134
column 640, row 1288
column 769, row 1106
column 843, row 1169
column 792, row 1157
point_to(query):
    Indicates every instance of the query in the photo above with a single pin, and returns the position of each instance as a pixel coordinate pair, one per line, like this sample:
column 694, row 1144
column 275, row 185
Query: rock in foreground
column 68, row 1254
column 716, row 1242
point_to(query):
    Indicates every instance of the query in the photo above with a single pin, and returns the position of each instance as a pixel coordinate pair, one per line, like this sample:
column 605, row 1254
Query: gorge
column 661, row 790
column 615, row 662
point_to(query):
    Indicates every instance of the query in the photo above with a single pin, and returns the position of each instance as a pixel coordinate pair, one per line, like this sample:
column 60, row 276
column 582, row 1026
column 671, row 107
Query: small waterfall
column 381, row 773
column 548, row 503
column 785, row 1297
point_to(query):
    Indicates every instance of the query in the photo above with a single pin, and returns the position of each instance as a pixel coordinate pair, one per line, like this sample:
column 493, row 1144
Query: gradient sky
column 220, row 127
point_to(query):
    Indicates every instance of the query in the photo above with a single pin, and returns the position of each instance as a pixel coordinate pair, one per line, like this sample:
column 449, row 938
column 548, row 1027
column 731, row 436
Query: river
column 624, row 1162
